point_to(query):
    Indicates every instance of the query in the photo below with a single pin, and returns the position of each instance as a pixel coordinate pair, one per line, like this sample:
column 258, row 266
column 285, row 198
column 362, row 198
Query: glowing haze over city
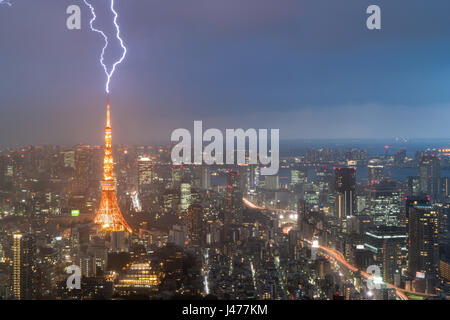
column 224, row 150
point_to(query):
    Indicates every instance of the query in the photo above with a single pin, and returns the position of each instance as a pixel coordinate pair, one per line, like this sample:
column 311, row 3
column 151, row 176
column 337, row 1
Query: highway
column 339, row 257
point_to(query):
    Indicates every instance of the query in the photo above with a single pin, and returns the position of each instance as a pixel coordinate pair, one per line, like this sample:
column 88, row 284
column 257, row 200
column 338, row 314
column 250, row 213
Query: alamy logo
column 375, row 281
column 213, row 152
column 374, row 20
column 74, row 280
column 73, row 22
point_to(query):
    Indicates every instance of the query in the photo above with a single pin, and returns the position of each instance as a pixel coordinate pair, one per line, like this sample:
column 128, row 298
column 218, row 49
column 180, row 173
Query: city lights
column 323, row 174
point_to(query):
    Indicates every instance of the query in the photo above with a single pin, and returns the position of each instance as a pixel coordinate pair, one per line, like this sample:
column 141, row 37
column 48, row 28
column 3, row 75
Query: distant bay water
column 361, row 175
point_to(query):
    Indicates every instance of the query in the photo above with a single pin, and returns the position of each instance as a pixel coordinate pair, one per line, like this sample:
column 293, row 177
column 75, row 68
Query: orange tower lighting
column 108, row 215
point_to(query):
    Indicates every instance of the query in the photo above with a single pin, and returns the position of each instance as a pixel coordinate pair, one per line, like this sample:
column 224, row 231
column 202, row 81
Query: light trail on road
column 338, row 256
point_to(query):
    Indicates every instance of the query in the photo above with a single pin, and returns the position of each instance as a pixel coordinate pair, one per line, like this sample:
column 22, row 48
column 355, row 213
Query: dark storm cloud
column 310, row 68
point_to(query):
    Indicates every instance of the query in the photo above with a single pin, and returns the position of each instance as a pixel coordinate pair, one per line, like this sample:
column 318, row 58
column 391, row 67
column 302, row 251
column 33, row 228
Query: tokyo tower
column 108, row 215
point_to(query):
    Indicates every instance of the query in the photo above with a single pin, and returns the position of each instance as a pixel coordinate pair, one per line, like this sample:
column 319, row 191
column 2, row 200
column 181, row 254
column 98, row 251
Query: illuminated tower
column 108, row 215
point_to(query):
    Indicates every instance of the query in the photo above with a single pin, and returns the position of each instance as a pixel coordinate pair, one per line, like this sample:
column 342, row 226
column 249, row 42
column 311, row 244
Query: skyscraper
column 233, row 202
column 298, row 176
column 185, row 196
column 446, row 187
column 205, row 177
column 243, row 177
column 386, row 245
column 423, row 254
column 272, row 182
column 413, row 187
column 82, row 157
column 410, row 202
column 194, row 219
column 375, row 173
column 144, row 174
column 301, row 213
column 253, row 176
column 23, row 260
column 430, row 176
column 345, row 185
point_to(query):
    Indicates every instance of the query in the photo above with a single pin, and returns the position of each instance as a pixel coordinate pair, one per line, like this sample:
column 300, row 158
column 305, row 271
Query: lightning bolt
column 6, row 2
column 115, row 64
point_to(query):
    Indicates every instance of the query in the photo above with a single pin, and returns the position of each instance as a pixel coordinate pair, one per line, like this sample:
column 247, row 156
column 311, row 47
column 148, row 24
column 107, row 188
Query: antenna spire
column 108, row 116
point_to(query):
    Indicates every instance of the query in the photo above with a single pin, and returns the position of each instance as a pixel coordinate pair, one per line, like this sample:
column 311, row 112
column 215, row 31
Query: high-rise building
column 23, row 264
column 301, row 213
column 384, row 203
column 399, row 158
column 185, row 196
column 177, row 175
column 82, row 158
column 243, row 177
column 410, row 202
column 423, row 229
column 298, row 176
column 253, row 176
column 294, row 241
column 430, row 176
column 177, row 235
column 233, row 202
column 446, row 187
column 387, row 245
column 205, row 178
column 69, row 159
column 272, row 182
column 144, row 174
column 344, row 186
column 375, row 173
column 413, row 187
column 194, row 221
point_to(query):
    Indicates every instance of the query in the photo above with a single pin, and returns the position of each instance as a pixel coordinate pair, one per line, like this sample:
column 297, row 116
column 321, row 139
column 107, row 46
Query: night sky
column 308, row 67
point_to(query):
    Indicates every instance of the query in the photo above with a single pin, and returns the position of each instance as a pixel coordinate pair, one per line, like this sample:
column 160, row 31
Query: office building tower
column 413, row 187
column 298, row 176
column 409, row 203
column 69, row 159
column 23, row 266
column 194, row 221
column 387, row 245
column 430, row 176
column 301, row 213
column 445, row 187
column 185, row 196
column 253, row 176
column 144, row 174
column 344, row 186
column 423, row 253
column 399, row 158
column 233, row 202
column 272, row 182
column 374, row 174
column 205, row 178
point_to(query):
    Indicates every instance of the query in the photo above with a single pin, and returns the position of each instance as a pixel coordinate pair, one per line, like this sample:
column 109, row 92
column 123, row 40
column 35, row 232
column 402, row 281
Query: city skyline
column 353, row 204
